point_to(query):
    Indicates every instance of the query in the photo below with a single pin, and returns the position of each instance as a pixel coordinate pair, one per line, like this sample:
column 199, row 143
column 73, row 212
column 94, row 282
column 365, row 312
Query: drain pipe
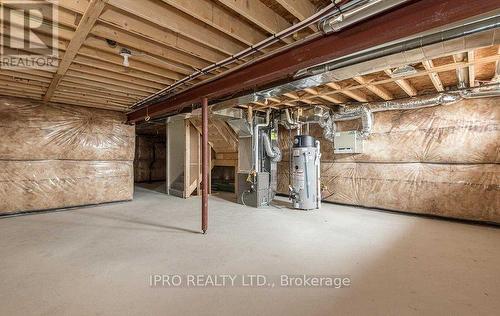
column 318, row 173
column 256, row 140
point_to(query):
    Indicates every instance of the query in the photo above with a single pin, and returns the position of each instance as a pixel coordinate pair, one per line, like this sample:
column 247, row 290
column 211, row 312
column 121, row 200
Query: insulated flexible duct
column 365, row 111
column 414, row 103
column 362, row 112
column 329, row 126
column 272, row 152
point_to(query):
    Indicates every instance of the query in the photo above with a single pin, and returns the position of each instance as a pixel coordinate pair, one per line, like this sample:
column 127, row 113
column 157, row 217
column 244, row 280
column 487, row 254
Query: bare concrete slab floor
column 98, row 261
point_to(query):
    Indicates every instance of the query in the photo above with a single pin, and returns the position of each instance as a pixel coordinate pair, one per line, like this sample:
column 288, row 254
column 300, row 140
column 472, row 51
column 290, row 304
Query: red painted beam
column 204, row 167
column 416, row 17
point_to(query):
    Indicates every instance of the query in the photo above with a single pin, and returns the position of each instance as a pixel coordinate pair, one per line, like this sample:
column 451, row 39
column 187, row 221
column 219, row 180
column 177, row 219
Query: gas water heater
column 305, row 185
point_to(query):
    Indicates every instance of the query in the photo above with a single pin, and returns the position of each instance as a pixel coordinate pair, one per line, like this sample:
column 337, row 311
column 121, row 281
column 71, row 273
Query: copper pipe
column 204, row 168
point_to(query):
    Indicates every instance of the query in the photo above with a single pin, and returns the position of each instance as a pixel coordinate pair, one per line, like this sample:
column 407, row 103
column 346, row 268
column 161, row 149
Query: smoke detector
column 125, row 53
column 403, row 71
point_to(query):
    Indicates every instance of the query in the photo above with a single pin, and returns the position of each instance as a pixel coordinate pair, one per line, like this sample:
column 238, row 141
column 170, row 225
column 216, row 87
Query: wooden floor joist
column 84, row 27
column 171, row 39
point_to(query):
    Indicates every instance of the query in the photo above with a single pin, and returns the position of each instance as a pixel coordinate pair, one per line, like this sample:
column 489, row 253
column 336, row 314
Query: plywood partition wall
column 183, row 157
column 176, row 142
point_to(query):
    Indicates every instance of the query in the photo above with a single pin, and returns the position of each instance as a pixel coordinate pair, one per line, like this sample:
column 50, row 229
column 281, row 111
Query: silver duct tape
column 367, row 121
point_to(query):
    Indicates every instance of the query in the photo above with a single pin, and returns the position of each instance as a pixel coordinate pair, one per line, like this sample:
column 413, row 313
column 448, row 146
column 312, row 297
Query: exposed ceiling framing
column 171, row 39
column 378, row 86
column 401, row 22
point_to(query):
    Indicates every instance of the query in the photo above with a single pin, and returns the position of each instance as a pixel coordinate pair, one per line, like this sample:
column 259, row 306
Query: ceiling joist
column 86, row 23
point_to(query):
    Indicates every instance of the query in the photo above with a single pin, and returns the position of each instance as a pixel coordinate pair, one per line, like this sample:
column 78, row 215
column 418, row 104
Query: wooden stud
column 331, row 99
column 471, row 56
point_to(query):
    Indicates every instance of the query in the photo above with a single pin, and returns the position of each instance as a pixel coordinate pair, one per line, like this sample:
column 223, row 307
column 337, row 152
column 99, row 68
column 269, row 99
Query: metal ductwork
column 241, row 127
column 272, row 152
column 462, row 72
column 489, row 91
column 361, row 112
column 425, row 47
column 358, row 14
column 414, row 103
column 365, row 111
column 329, row 127
column 476, row 34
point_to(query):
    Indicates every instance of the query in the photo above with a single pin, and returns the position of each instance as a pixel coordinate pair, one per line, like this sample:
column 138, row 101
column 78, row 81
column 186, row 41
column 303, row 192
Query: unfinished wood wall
column 54, row 156
column 442, row 161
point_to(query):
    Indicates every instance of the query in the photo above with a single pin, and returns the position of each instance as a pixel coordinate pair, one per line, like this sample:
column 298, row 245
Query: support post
column 205, row 166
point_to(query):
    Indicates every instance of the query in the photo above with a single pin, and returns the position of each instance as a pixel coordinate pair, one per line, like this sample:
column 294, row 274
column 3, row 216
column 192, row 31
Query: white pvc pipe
column 256, row 141
column 318, row 173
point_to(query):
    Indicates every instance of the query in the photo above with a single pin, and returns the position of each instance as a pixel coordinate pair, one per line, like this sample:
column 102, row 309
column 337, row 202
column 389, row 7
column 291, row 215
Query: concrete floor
column 98, row 261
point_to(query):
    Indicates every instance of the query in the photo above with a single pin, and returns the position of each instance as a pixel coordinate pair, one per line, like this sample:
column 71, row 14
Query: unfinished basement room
column 250, row 157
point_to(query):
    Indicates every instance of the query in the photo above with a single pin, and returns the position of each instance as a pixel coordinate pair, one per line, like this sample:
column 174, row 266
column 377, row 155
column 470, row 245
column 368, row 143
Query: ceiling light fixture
column 125, row 53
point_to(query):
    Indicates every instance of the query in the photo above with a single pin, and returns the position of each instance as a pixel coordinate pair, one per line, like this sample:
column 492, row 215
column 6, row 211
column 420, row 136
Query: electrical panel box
column 349, row 142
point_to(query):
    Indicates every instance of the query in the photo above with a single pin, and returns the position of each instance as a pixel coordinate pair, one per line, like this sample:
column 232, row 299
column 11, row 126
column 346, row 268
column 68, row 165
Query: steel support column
column 205, row 168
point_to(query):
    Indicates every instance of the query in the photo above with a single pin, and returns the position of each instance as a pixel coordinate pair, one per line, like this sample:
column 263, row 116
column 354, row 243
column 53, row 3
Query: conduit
column 369, row 9
column 322, row 14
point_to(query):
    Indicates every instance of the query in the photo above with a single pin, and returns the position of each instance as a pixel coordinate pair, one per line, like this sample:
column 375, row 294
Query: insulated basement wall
column 150, row 159
column 442, row 160
column 55, row 156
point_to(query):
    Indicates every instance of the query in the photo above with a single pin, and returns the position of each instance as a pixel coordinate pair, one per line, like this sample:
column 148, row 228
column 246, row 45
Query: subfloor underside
column 99, row 260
